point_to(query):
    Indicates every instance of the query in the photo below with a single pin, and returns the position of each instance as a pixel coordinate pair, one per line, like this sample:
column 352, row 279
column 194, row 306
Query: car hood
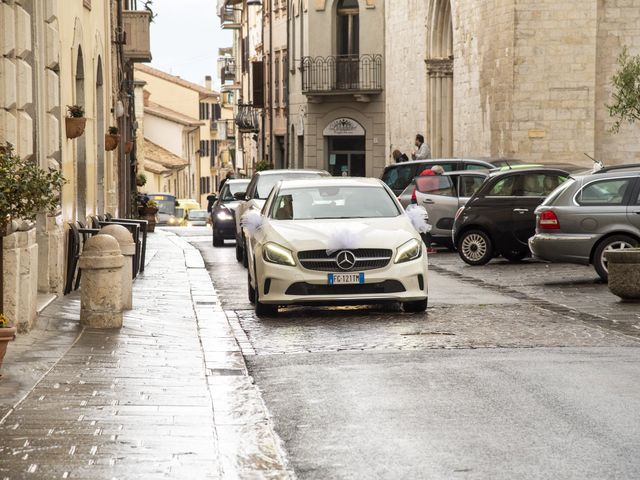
column 299, row 235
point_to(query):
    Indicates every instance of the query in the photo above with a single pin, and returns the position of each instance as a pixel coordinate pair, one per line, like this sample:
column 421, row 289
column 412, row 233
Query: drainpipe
column 271, row 106
column 287, row 140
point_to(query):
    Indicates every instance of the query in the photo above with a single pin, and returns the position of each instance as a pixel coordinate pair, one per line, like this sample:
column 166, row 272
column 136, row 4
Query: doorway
column 347, row 156
column 100, row 131
column 81, row 146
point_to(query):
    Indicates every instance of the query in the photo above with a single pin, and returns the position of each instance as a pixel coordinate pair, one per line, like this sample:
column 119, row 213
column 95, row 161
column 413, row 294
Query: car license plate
column 346, row 278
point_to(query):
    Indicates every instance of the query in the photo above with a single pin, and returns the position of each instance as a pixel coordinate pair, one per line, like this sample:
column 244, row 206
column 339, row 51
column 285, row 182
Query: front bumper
column 225, row 229
column 563, row 247
column 283, row 285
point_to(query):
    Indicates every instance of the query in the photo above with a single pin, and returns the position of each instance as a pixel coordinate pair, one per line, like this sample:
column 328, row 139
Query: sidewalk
column 168, row 396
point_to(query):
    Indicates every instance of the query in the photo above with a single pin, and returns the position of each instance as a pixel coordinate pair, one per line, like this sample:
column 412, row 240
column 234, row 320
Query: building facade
column 336, row 86
column 55, row 54
column 521, row 79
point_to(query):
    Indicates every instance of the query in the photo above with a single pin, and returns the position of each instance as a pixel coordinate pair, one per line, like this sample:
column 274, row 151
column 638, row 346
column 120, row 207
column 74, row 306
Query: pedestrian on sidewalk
column 423, row 151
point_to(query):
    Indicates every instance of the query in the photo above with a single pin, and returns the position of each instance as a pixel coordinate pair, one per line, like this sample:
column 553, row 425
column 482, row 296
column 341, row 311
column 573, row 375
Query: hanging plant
column 75, row 122
column 141, row 180
column 111, row 139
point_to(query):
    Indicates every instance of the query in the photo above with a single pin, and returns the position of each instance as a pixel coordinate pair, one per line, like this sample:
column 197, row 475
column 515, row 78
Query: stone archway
column 440, row 78
column 81, row 144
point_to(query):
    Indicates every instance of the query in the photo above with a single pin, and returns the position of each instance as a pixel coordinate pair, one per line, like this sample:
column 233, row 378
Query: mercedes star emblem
column 346, row 260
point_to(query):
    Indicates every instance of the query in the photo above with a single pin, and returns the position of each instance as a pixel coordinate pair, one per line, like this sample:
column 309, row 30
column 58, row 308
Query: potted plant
column 148, row 210
column 128, row 147
column 75, row 121
column 141, row 180
column 111, row 139
column 7, row 333
column 26, row 190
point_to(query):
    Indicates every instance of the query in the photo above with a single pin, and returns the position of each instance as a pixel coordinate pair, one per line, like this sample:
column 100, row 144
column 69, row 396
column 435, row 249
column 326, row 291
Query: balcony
column 227, row 69
column 228, row 17
column 360, row 76
column 248, row 119
column 226, row 129
column 137, row 46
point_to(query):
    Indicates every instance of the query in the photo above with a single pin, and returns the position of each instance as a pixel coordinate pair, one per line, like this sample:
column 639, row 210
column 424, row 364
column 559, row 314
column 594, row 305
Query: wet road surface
column 515, row 371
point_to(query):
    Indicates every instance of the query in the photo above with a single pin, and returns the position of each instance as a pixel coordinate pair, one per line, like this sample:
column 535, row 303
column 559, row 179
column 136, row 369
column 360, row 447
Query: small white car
column 334, row 241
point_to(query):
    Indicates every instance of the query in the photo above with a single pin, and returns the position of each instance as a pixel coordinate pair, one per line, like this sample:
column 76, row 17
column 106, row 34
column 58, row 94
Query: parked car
column 499, row 218
column 588, row 216
column 378, row 257
column 443, row 195
column 197, row 218
column 257, row 192
column 183, row 206
column 399, row 175
column 223, row 221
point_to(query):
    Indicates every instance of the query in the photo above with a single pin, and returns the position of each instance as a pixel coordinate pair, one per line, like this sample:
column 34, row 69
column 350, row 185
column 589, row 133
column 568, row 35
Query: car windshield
column 267, row 182
column 333, row 202
column 197, row 214
column 230, row 189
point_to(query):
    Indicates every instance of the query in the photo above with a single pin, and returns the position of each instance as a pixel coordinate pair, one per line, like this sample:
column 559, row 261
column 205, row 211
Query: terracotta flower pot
column 111, row 142
column 6, row 335
column 74, row 126
column 128, row 147
column 149, row 214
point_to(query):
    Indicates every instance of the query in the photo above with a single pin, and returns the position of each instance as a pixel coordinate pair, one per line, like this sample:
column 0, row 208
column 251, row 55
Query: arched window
column 348, row 28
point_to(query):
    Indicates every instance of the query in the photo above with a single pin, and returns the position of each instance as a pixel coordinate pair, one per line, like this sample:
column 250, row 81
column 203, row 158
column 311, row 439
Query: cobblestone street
column 516, row 370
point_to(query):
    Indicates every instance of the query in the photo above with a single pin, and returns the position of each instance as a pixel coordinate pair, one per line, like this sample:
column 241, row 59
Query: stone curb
column 248, row 445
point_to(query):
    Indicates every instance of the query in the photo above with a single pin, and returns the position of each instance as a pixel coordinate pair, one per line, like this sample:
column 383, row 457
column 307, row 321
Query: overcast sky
column 185, row 37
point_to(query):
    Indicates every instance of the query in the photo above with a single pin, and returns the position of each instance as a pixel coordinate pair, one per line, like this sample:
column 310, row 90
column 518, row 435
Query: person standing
column 423, row 151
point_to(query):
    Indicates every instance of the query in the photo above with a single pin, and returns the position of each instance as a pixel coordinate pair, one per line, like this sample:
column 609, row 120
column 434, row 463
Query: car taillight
column 548, row 220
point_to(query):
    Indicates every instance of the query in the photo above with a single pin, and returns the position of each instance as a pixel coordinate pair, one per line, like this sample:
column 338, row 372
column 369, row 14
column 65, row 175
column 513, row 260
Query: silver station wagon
column 589, row 215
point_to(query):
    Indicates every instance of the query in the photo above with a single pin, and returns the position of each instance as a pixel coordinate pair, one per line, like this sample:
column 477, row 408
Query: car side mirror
column 240, row 195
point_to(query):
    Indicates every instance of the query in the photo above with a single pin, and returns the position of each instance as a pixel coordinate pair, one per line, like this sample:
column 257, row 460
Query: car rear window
column 435, row 185
column 604, row 192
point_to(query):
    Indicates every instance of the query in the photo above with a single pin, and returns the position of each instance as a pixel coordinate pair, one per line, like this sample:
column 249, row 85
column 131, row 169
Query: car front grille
column 366, row 259
column 307, row 289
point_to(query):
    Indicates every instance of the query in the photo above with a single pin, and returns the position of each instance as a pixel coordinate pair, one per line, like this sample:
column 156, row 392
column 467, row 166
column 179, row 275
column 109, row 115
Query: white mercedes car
column 335, row 241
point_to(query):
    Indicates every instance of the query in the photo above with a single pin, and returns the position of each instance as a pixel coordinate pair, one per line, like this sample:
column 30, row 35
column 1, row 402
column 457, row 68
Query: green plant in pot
column 112, row 139
column 148, row 210
column 141, row 180
column 75, row 122
column 25, row 191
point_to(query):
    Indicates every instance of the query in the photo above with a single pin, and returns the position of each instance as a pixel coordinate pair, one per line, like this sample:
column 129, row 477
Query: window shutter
column 258, row 84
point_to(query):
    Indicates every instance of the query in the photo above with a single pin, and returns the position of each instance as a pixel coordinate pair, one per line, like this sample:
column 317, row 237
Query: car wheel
column 416, row 307
column 252, row 291
column 239, row 254
column 263, row 309
column 475, row 247
column 217, row 241
column 616, row 242
column 515, row 255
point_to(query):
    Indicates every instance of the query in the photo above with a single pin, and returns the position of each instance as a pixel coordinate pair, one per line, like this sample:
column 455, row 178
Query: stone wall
column 20, row 276
column 618, row 24
column 531, row 78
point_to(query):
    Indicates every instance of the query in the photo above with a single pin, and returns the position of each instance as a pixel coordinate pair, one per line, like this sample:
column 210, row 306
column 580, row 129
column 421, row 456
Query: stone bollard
column 100, row 286
column 624, row 272
column 128, row 249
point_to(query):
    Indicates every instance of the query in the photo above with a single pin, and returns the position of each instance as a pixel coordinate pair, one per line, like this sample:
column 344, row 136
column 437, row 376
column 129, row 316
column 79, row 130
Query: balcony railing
column 248, row 119
column 137, row 47
column 341, row 74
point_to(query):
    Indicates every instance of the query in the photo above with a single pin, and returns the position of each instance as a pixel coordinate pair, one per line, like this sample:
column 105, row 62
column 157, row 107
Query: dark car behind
column 500, row 217
column 223, row 211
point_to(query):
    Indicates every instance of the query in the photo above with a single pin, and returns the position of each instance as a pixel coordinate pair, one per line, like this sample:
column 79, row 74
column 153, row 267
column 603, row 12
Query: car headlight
column 224, row 215
column 275, row 253
column 408, row 251
column 189, row 224
column 172, row 220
